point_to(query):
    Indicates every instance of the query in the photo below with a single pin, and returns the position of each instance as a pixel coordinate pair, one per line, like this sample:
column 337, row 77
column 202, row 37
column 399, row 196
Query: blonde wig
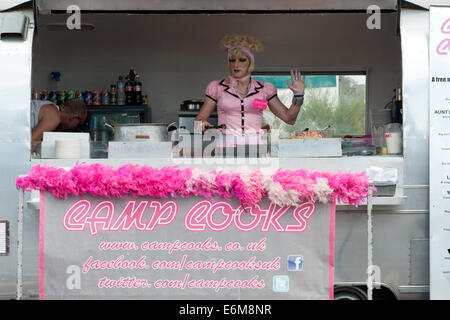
column 233, row 43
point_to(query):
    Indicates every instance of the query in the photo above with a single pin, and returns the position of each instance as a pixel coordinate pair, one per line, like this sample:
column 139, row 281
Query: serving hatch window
column 336, row 101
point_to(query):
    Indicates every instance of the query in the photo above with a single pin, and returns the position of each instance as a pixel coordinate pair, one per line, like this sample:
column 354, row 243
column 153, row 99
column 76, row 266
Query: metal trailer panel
column 399, row 232
column 414, row 45
column 398, row 252
column 414, row 30
column 15, row 92
column 215, row 5
column 388, row 241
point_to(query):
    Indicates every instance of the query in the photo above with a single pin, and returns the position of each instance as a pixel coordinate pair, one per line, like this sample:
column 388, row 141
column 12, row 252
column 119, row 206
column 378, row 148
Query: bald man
column 47, row 116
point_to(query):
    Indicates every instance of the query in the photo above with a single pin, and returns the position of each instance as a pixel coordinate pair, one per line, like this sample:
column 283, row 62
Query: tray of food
column 310, row 144
column 308, row 134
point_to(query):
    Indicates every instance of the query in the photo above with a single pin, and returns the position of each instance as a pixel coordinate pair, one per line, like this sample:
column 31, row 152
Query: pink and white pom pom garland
column 249, row 185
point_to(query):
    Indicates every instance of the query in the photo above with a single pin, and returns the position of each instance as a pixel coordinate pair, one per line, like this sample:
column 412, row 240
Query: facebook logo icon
column 295, row 263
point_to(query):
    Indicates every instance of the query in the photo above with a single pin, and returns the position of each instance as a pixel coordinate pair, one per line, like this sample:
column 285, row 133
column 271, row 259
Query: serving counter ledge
column 355, row 164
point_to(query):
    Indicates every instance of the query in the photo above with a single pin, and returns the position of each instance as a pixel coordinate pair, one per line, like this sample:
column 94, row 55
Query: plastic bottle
column 132, row 75
column 120, row 92
column 36, row 95
column 129, row 91
column 94, row 129
column 113, row 95
column 137, row 91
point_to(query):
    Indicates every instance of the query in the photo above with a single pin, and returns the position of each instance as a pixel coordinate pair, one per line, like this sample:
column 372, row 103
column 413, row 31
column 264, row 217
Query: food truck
column 378, row 49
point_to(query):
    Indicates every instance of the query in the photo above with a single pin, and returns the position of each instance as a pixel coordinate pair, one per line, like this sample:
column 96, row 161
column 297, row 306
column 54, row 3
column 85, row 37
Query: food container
column 357, row 141
column 139, row 149
column 393, row 136
column 309, row 148
column 384, row 189
column 327, row 133
column 68, row 149
column 53, row 145
column 141, row 131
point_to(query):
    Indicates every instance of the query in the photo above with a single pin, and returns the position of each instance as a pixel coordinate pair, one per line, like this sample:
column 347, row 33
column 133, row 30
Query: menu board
column 191, row 248
column 439, row 152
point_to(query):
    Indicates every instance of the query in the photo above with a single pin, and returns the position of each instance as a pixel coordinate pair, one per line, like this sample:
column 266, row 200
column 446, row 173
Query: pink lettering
column 117, row 246
column 201, row 216
column 180, row 284
column 272, row 218
column 158, row 218
column 196, row 214
column 178, row 245
column 301, row 214
column 119, row 263
column 224, row 283
column 445, row 28
column 226, row 210
column 77, row 216
column 128, row 282
column 256, row 212
column 443, row 47
column 104, row 220
column 257, row 246
column 74, row 216
column 131, row 216
column 232, row 246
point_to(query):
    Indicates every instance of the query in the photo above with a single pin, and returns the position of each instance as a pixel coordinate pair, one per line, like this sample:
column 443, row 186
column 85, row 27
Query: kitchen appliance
column 99, row 115
column 188, row 111
column 186, row 136
column 191, row 105
column 140, row 131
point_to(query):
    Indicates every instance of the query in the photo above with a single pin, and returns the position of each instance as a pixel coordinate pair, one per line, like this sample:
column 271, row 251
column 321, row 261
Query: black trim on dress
column 211, row 98
column 256, row 89
column 227, row 88
column 272, row 97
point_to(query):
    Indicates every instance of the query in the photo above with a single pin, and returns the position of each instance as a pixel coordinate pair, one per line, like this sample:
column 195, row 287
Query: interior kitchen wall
column 178, row 54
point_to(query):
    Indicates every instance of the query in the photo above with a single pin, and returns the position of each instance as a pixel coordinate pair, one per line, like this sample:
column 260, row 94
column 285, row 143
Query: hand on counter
column 202, row 125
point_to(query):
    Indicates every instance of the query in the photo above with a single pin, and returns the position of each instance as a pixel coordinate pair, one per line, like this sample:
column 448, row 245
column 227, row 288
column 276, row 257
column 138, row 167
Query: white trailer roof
column 427, row 3
column 8, row 4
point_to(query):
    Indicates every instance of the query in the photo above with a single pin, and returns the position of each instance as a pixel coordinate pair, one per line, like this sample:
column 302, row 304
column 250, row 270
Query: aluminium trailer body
column 400, row 244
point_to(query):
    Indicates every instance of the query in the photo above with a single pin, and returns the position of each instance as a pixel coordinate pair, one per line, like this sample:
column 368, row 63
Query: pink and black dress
column 242, row 116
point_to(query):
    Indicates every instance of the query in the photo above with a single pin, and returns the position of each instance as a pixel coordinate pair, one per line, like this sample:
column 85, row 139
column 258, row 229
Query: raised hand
column 298, row 82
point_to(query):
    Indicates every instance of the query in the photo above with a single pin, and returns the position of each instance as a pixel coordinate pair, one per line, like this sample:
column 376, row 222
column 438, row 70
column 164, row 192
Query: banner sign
column 439, row 153
column 184, row 248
